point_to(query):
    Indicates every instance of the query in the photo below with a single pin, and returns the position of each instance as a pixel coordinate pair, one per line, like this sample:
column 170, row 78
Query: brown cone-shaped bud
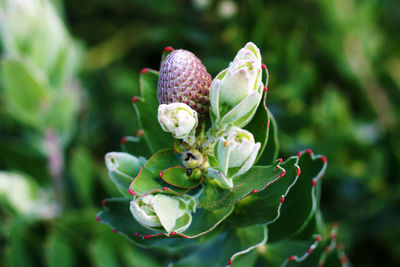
column 183, row 78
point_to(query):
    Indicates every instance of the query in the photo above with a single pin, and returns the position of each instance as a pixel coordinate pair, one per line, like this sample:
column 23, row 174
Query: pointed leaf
column 176, row 176
column 257, row 178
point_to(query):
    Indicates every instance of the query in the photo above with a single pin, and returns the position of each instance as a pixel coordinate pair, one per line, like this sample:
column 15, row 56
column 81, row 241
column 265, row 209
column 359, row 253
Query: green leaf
column 264, row 207
column 257, row 178
column 26, row 90
column 259, row 126
column 59, row 252
column 270, row 153
column 148, row 180
column 302, row 200
column 116, row 213
column 279, row 253
column 176, row 176
column 83, row 174
column 228, row 246
column 122, row 169
column 146, row 108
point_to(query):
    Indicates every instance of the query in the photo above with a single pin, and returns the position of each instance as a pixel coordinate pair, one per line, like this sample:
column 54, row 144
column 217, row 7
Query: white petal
column 167, row 209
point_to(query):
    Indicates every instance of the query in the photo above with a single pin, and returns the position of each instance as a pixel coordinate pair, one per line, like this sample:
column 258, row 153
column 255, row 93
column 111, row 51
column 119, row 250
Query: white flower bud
column 163, row 212
column 178, row 119
column 237, row 90
column 235, row 154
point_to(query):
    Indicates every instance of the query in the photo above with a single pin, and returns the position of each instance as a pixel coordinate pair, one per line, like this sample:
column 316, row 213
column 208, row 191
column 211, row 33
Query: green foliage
column 334, row 87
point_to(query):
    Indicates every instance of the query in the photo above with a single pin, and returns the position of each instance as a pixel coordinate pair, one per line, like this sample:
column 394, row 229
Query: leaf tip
column 298, row 172
column 263, row 66
column 97, row 218
column 124, row 140
column 114, row 230
column 168, row 49
column 103, row 202
column 323, row 158
column 314, row 182
column 139, row 133
column 299, row 154
column 144, row 70
column 308, row 151
column 282, row 174
column 134, row 99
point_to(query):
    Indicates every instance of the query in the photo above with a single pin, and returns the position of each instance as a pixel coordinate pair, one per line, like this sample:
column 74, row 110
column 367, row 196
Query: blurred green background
column 69, row 69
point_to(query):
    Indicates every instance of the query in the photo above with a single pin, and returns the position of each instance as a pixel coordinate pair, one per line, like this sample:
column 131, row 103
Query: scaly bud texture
column 183, row 78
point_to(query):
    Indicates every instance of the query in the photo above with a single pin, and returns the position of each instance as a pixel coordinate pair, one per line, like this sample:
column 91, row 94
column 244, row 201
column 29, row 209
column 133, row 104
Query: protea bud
column 163, row 212
column 235, row 153
column 183, row 78
column 237, row 90
column 178, row 119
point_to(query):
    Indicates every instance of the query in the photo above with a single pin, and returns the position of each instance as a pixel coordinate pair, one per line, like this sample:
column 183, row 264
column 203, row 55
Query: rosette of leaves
column 223, row 197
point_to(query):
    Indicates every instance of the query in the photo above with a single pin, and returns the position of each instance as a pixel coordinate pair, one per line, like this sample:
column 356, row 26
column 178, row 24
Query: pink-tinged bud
column 183, row 78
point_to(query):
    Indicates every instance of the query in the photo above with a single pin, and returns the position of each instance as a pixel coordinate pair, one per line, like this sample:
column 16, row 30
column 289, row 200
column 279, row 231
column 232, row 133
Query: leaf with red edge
column 227, row 248
column 259, row 126
column 302, row 200
column 264, row 206
column 146, row 108
column 116, row 213
column 176, row 176
column 257, row 179
column 148, row 180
